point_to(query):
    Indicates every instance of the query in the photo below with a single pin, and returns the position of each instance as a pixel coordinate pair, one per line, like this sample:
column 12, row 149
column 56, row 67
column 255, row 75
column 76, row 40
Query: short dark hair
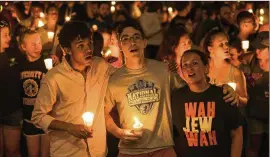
column 37, row 5
column 202, row 55
column 130, row 23
column 71, row 30
column 181, row 5
column 50, row 7
column 236, row 43
column 244, row 15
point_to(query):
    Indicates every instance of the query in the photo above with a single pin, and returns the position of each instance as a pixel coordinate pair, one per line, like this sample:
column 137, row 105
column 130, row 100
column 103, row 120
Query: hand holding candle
column 50, row 36
column 233, row 85
column 245, row 45
column 48, row 63
column 137, row 126
column 88, row 118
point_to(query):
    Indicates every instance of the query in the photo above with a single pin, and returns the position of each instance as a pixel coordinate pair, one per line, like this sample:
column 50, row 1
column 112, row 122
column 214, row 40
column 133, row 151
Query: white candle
column 233, row 85
column 261, row 19
column 40, row 23
column 113, row 2
column 261, row 11
column 41, row 14
column 67, row 18
column 88, row 118
column 170, row 10
column 48, row 63
column 50, row 36
column 250, row 10
column 112, row 9
column 95, row 27
column 245, row 44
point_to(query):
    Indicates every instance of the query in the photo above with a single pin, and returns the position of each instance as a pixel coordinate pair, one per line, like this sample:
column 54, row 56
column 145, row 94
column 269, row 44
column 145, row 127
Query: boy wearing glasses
column 140, row 90
column 71, row 88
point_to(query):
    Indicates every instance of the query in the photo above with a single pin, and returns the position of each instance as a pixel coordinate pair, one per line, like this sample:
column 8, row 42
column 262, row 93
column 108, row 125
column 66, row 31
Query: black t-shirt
column 203, row 122
column 10, row 99
column 31, row 74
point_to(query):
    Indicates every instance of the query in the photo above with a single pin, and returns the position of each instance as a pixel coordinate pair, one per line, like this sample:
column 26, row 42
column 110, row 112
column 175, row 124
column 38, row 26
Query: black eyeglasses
column 3, row 24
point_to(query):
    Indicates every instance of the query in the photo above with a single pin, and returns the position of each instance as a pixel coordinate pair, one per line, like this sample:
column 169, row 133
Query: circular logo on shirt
column 30, row 87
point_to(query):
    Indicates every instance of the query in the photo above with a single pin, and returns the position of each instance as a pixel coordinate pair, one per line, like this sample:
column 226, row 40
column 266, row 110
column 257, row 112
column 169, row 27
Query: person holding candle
column 32, row 70
column 246, row 23
column 257, row 75
column 206, row 125
column 10, row 108
column 49, row 32
column 75, row 86
column 220, row 70
column 141, row 88
column 33, row 21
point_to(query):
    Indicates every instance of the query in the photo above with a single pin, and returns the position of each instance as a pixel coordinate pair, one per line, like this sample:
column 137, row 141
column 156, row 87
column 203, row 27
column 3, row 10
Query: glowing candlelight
column 48, row 63
column 233, row 85
column 88, row 118
column 250, row 10
column 261, row 19
column 41, row 14
column 170, row 10
column 245, row 45
column 137, row 125
column 40, row 23
column 95, row 27
column 113, row 2
column 50, row 36
column 67, row 18
column 112, row 9
column 261, row 11
column 106, row 51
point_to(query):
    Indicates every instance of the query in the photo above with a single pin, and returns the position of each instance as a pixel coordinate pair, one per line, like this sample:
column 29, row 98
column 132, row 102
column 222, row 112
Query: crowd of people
column 162, row 79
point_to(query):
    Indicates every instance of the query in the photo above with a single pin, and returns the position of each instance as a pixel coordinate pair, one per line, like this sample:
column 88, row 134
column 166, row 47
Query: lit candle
column 95, row 27
column 88, row 118
column 106, row 53
column 261, row 11
column 112, row 9
column 170, row 10
column 137, row 126
column 245, row 45
column 50, row 36
column 261, row 19
column 67, row 18
column 40, row 23
column 48, row 63
column 41, row 14
column 250, row 10
column 233, row 85
column 113, row 2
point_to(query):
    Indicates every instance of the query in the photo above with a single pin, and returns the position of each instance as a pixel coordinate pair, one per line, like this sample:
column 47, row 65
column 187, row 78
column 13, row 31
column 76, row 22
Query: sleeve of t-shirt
column 176, row 81
column 234, row 119
column 109, row 99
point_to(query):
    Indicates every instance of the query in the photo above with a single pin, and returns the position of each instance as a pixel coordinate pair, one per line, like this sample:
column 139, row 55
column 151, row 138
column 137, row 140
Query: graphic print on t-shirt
column 142, row 94
column 198, row 129
column 31, row 85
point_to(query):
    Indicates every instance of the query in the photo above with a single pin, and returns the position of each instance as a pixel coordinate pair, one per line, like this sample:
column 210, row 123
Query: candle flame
column 40, row 23
column 67, row 18
column 41, row 15
column 88, row 118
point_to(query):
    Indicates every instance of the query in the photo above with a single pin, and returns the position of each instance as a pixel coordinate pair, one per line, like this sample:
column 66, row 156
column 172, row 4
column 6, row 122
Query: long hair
column 170, row 42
